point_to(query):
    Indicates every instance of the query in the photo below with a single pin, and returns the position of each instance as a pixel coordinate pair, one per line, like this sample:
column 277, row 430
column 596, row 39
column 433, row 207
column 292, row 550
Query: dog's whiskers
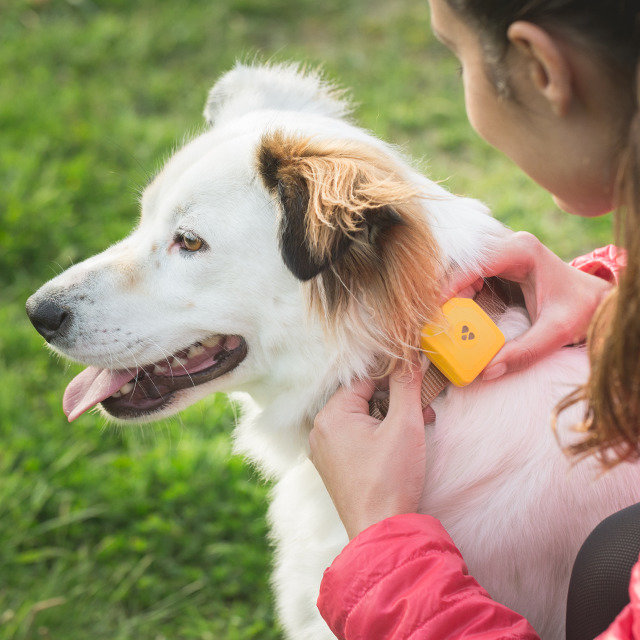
column 168, row 361
column 152, row 342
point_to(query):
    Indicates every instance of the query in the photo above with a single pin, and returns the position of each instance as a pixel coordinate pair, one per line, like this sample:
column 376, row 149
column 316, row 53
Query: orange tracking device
column 466, row 343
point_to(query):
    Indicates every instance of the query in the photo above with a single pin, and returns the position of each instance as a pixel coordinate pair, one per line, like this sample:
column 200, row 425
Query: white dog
column 284, row 252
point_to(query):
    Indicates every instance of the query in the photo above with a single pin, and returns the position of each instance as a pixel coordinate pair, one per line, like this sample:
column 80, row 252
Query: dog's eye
column 190, row 241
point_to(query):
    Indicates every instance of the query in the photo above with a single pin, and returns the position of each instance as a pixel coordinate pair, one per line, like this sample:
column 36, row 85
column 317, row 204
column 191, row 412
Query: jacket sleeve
column 607, row 263
column 403, row 578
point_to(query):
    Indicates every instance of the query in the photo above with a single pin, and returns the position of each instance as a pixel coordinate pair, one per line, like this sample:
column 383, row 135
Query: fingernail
column 429, row 415
column 494, row 372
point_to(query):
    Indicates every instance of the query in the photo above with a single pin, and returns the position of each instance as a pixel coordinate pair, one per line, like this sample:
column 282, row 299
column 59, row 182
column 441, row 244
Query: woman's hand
column 372, row 469
column 560, row 299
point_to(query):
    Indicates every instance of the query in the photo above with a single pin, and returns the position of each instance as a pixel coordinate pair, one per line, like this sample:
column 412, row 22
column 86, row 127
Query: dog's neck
column 307, row 368
column 278, row 409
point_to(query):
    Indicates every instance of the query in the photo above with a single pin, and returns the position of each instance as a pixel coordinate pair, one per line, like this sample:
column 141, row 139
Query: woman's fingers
column 462, row 286
column 428, row 415
column 522, row 352
column 405, row 384
column 560, row 300
column 371, row 470
column 355, row 397
column 515, row 260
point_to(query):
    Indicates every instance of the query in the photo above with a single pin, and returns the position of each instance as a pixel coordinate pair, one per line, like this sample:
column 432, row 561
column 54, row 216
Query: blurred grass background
column 159, row 532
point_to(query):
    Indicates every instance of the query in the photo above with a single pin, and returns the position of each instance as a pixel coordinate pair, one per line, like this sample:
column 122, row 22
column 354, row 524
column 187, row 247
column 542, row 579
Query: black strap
column 599, row 587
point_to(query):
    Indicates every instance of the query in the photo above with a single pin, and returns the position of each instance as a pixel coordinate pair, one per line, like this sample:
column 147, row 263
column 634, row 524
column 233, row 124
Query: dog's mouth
column 132, row 393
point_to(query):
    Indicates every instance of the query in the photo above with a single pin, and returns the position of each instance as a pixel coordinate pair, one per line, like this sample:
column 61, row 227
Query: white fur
column 496, row 477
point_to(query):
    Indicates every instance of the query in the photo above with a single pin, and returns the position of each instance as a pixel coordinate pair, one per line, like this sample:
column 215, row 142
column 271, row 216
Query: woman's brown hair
column 611, row 31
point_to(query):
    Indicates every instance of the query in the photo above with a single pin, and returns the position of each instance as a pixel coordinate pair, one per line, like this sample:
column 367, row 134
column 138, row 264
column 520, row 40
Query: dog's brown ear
column 332, row 196
column 355, row 226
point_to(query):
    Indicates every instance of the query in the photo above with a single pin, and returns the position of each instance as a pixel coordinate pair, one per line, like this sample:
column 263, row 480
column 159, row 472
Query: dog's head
column 275, row 241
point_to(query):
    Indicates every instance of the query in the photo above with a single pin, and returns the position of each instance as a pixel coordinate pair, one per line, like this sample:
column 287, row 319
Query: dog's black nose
column 47, row 316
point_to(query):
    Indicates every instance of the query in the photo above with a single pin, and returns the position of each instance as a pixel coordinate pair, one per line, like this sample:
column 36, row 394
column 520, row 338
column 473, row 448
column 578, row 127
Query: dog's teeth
column 178, row 362
column 117, row 394
column 126, row 388
column 195, row 350
column 231, row 343
column 158, row 370
column 211, row 342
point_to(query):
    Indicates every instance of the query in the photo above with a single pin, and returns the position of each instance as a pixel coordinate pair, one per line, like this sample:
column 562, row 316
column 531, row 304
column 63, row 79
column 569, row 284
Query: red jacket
column 403, row 578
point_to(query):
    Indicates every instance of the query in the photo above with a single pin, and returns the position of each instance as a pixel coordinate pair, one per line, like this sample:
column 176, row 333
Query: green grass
column 160, row 532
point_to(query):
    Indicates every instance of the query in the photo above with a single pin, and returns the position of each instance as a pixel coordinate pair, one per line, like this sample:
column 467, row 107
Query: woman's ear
column 547, row 63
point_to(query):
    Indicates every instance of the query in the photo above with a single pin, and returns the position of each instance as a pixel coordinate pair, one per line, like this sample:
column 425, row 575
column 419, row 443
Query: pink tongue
column 91, row 386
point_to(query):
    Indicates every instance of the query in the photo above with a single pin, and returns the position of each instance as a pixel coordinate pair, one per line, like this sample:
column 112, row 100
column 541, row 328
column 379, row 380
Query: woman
column 554, row 85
